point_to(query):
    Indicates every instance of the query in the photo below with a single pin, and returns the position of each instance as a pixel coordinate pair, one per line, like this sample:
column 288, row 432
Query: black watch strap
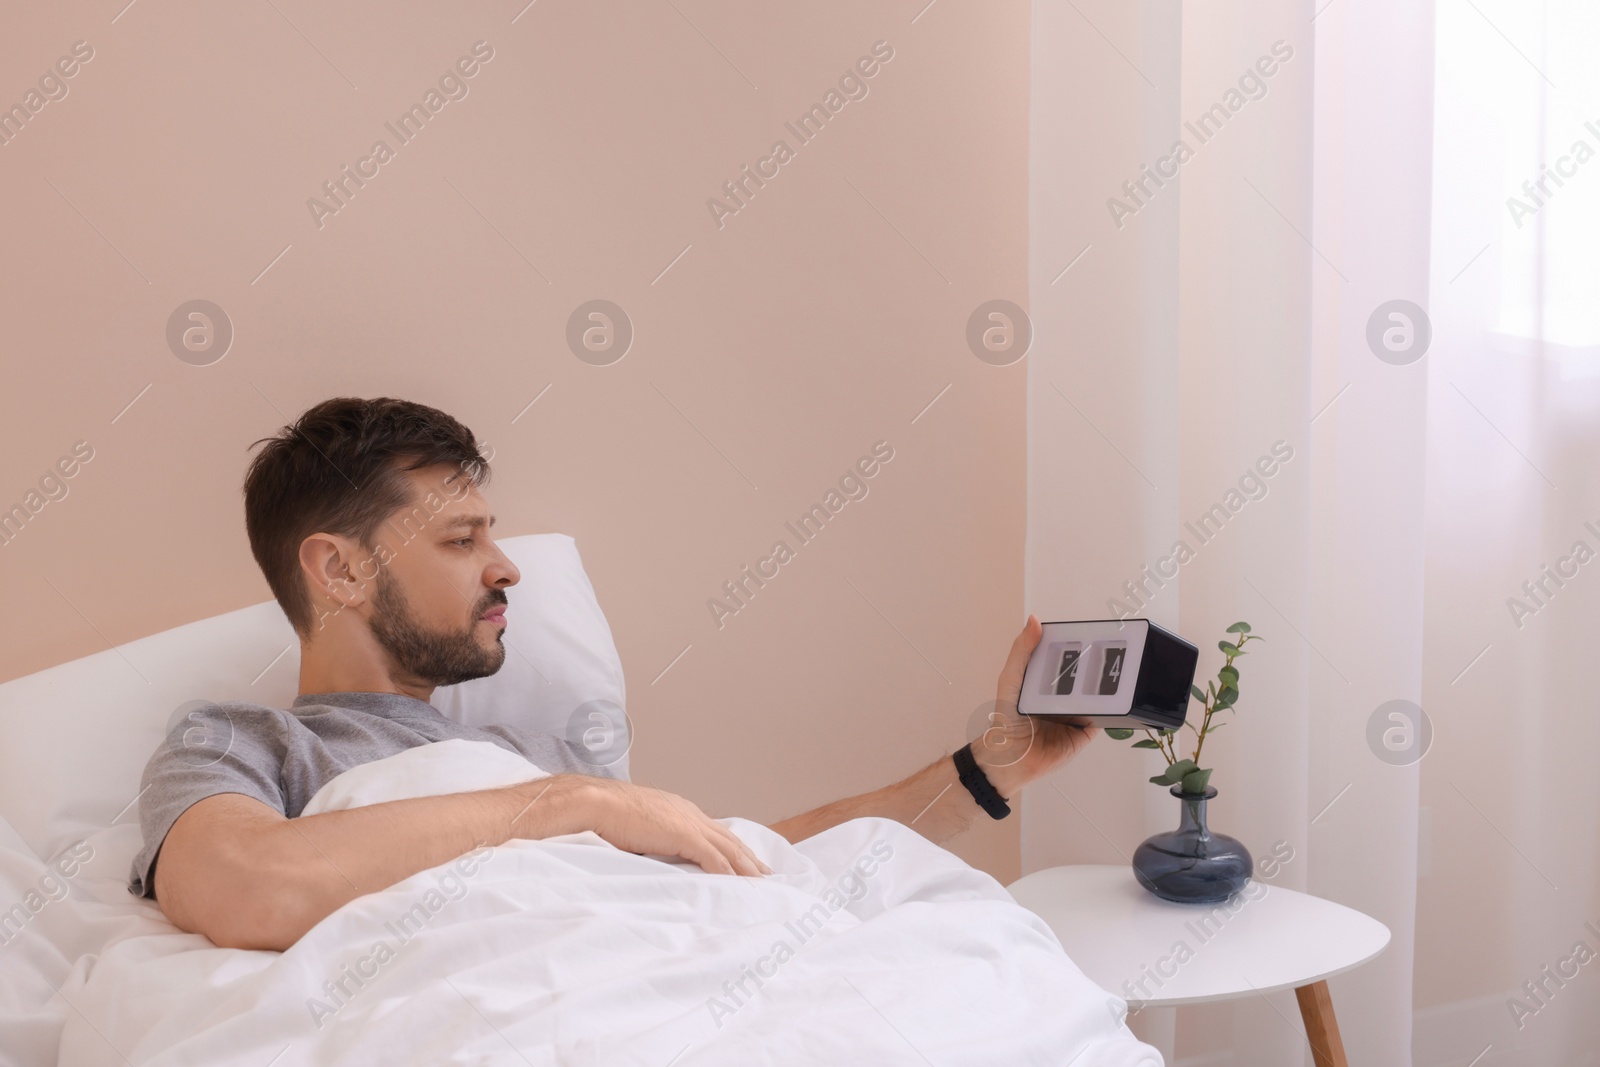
column 978, row 784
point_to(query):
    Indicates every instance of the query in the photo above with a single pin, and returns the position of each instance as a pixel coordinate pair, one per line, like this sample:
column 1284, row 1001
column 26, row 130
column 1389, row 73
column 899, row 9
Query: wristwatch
column 978, row 784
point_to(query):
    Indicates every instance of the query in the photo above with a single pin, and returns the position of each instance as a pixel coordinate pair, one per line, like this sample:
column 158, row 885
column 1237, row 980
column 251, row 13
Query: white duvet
column 867, row 945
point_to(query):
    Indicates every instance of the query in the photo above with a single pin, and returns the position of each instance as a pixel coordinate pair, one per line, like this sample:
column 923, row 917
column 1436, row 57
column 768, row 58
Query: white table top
column 1266, row 938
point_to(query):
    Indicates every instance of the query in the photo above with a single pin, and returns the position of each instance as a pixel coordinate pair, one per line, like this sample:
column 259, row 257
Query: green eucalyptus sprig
column 1220, row 694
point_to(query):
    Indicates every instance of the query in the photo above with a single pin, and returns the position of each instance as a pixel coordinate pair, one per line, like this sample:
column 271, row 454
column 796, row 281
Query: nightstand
column 1265, row 939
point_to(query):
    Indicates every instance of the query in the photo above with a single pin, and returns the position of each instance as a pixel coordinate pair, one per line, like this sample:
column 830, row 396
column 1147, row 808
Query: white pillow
column 74, row 738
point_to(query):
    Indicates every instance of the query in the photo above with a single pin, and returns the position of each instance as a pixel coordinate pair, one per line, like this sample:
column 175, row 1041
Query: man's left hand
column 1014, row 749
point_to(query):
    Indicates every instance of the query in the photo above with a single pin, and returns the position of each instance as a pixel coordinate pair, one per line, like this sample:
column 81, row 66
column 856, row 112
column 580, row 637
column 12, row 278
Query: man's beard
column 436, row 658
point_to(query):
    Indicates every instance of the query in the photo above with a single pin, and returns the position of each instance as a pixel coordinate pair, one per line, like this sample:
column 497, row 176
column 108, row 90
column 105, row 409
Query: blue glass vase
column 1192, row 865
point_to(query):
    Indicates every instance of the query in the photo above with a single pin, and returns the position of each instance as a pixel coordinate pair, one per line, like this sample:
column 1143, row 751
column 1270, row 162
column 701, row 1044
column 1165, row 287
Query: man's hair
column 340, row 469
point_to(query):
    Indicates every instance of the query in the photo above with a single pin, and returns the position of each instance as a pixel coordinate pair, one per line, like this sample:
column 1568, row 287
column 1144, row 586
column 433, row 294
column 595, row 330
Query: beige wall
column 818, row 320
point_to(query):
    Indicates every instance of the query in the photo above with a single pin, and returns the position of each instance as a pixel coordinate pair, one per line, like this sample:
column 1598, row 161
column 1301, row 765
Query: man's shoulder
column 220, row 725
column 239, row 711
column 246, row 707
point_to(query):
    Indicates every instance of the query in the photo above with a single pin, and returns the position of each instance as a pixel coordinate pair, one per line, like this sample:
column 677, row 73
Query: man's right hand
column 645, row 820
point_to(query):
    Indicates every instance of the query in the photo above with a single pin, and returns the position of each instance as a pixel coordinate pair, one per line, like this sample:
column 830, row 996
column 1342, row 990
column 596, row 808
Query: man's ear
column 328, row 564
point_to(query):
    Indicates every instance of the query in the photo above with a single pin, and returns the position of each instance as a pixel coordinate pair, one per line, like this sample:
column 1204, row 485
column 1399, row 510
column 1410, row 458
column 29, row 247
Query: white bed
column 561, row 951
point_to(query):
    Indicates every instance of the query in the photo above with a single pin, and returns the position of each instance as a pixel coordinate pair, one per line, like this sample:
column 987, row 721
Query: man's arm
column 237, row 871
column 933, row 802
column 1013, row 751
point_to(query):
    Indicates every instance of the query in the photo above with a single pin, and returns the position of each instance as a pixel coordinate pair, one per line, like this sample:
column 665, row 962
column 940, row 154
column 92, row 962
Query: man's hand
column 646, row 821
column 1015, row 749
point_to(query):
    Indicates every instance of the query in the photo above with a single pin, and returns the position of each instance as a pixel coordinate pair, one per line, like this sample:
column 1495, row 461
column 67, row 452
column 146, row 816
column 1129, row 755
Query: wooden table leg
column 1322, row 1029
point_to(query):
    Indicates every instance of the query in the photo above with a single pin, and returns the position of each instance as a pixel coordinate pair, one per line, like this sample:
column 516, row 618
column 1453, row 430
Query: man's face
column 437, row 608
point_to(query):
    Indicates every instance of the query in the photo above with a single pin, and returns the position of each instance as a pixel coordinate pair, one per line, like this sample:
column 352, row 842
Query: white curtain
column 1507, row 874
column 1229, row 311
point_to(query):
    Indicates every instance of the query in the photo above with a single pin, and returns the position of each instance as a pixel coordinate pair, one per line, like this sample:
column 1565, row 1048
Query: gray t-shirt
column 282, row 758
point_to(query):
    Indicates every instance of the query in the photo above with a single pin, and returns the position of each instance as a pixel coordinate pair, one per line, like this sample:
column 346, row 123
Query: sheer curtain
column 1402, row 554
column 1507, row 880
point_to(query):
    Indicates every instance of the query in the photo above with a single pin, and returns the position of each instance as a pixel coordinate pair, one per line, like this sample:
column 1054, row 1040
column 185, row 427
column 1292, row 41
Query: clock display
column 1067, row 671
column 1109, row 672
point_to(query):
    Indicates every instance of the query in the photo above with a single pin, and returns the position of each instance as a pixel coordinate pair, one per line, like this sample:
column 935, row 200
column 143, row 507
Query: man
column 367, row 519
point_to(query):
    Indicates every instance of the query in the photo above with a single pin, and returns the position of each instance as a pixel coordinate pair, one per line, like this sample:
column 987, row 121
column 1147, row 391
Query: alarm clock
column 1109, row 672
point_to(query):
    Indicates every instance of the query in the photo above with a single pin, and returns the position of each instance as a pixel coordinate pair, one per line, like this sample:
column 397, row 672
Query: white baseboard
column 1210, row 1059
column 1451, row 1035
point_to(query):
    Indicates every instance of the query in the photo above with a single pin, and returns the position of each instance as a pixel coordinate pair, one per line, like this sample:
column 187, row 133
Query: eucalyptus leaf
column 1239, row 628
column 1195, row 781
column 1229, row 676
column 1147, row 742
column 1231, row 650
column 1174, row 773
column 1226, row 698
column 1198, row 693
column 1119, row 733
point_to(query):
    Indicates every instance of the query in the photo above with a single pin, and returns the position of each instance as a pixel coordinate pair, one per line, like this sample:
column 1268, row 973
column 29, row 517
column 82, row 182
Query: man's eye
column 462, row 541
